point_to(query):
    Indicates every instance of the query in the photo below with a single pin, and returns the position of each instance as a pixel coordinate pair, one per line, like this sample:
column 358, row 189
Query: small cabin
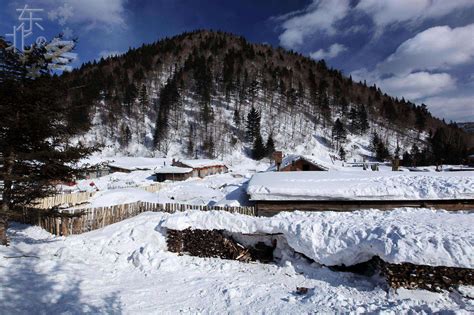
column 95, row 171
column 202, row 167
column 173, row 173
column 295, row 163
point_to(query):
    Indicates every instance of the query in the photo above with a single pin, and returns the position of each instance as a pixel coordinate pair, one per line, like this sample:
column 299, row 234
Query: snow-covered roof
column 125, row 162
column 360, row 185
column 201, row 163
column 173, row 170
column 290, row 158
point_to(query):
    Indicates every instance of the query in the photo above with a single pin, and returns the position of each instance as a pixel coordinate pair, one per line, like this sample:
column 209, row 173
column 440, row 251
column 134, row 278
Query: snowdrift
column 419, row 236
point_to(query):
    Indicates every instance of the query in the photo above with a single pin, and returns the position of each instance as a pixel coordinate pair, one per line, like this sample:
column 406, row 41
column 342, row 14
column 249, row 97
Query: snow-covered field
column 126, row 267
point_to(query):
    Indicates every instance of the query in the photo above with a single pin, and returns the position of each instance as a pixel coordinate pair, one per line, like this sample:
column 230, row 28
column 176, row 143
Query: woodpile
column 411, row 276
column 213, row 243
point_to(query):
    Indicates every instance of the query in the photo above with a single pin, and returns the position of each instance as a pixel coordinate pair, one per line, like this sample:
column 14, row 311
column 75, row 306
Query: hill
column 193, row 94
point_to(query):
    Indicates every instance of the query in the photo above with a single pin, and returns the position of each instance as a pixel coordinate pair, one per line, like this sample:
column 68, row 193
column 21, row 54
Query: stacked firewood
column 213, row 243
column 426, row 277
column 411, row 276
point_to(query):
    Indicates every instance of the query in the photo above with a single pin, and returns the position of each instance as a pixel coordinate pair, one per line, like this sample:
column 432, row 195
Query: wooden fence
column 83, row 220
column 73, row 199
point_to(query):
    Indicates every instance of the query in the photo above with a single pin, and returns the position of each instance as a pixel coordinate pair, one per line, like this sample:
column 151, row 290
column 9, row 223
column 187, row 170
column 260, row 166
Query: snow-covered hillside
column 126, row 267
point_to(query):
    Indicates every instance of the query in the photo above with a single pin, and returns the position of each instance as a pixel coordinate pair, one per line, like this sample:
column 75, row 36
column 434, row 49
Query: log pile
column 411, row 276
column 213, row 243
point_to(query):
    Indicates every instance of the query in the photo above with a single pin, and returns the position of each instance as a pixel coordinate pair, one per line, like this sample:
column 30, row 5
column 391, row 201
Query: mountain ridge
column 193, row 92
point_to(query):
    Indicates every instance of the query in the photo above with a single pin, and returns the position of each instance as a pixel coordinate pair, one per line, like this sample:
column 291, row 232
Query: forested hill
column 193, row 93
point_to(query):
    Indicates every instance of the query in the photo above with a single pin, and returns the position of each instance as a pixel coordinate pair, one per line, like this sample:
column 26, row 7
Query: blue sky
column 422, row 50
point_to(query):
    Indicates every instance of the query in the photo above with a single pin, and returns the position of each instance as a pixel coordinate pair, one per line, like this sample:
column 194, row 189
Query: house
column 273, row 192
column 202, row 167
column 173, row 173
column 294, row 162
column 95, row 171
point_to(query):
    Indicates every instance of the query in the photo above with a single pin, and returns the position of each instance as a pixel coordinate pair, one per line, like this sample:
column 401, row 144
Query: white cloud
column 459, row 109
column 388, row 12
column 333, row 51
column 415, row 86
column 92, row 14
column 439, row 47
column 320, row 16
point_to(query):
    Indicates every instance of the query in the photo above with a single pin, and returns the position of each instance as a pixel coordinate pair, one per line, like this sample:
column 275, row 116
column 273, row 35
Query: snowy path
column 126, row 268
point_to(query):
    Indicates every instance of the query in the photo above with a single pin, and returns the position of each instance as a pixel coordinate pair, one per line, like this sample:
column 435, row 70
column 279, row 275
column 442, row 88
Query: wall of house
column 301, row 165
column 175, row 177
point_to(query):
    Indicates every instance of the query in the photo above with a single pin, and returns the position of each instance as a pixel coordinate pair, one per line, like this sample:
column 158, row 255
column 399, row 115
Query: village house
column 202, row 167
column 294, row 162
column 173, row 173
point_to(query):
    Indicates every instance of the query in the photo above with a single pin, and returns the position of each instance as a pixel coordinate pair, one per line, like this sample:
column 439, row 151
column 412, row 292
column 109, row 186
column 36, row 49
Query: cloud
column 333, row 51
column 415, row 86
column 389, row 12
column 320, row 16
column 439, row 47
column 92, row 14
column 456, row 108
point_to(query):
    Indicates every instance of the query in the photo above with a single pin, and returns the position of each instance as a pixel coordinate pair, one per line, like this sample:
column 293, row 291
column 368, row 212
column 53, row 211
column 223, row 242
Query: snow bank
column 361, row 185
column 419, row 236
column 122, row 196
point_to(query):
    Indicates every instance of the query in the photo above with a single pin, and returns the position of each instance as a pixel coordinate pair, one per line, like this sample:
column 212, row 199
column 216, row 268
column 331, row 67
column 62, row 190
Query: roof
column 173, row 170
column 360, row 185
column 290, row 158
column 201, row 163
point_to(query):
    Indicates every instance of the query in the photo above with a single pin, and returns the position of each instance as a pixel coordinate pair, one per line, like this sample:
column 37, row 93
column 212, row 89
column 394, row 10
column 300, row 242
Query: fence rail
column 78, row 221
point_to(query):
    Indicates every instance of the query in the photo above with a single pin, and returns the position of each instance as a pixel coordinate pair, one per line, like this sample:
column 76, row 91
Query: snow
column 419, row 236
column 202, row 163
column 361, row 185
column 121, row 196
column 127, row 162
column 173, row 170
column 126, row 268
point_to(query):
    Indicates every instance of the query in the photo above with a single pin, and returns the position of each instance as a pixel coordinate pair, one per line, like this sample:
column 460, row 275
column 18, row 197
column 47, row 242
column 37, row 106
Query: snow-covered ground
column 126, row 267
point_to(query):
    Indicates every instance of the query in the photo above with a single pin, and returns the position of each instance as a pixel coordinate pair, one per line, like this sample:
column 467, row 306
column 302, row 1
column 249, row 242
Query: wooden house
column 173, row 173
column 293, row 163
column 202, row 167
column 95, row 171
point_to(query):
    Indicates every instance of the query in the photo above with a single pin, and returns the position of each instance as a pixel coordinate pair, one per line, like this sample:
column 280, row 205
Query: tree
column 258, row 151
column 342, row 153
column 270, row 146
column 253, row 125
column 35, row 137
column 379, row 148
column 169, row 96
column 339, row 133
column 143, row 97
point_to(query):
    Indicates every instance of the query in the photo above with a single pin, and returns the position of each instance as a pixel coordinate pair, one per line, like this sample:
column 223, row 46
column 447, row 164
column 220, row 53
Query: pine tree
column 253, row 125
column 270, row 146
column 143, row 97
column 236, row 118
column 258, row 151
column 342, row 153
column 35, row 137
column 339, row 133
